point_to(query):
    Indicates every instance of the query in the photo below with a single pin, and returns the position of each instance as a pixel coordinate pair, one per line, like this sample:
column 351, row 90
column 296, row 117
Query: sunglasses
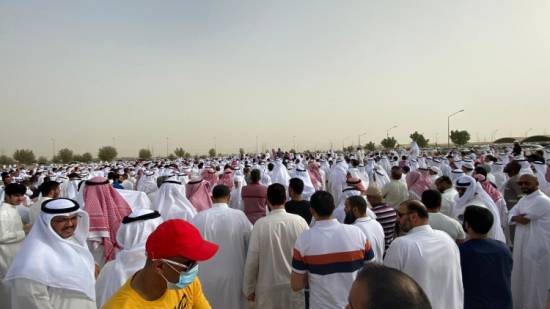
column 184, row 267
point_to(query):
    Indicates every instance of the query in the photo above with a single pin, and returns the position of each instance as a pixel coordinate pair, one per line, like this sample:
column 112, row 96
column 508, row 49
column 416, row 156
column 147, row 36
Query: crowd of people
column 404, row 228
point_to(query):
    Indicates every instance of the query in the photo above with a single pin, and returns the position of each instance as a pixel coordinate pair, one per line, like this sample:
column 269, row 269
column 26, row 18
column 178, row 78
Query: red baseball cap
column 179, row 238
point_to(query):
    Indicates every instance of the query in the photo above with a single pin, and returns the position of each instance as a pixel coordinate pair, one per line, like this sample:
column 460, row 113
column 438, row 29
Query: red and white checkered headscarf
column 106, row 209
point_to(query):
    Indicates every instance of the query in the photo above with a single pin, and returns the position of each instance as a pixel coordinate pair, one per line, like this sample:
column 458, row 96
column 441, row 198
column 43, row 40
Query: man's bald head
column 528, row 183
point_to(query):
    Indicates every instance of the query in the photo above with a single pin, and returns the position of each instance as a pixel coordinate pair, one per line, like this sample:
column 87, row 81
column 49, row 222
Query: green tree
column 77, row 158
column 241, row 152
column 25, row 156
column 370, row 146
column 388, row 142
column 212, row 152
column 65, row 155
column 419, row 139
column 42, row 159
column 6, row 160
column 86, row 157
column 145, row 154
column 172, row 157
column 460, row 138
column 179, row 152
column 107, row 153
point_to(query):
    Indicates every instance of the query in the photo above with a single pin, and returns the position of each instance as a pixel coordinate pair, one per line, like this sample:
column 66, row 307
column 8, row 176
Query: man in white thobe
column 356, row 213
column 131, row 235
column 54, row 268
column 531, row 271
column 11, row 235
column 470, row 193
column 429, row 256
column 48, row 190
column 267, row 268
column 222, row 276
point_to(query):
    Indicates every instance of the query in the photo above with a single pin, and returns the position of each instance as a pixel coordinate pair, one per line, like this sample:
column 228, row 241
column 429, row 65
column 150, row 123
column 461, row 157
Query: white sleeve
column 29, row 294
column 393, row 255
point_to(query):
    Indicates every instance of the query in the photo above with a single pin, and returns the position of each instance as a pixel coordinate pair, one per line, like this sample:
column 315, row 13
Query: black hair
column 481, row 170
column 220, row 191
column 431, row 199
column 480, row 219
column 15, row 189
column 323, row 203
column 297, row 185
column 276, row 194
column 385, row 287
column 270, row 166
column 445, row 179
column 406, row 169
column 255, row 175
column 358, row 202
column 414, row 206
column 47, row 187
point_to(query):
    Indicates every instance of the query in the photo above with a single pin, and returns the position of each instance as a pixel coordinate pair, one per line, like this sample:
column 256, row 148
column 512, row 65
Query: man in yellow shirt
column 169, row 277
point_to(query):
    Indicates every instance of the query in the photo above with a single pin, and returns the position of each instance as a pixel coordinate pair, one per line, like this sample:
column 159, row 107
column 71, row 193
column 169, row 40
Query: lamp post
column 449, row 126
column 345, row 138
column 388, row 131
column 53, row 148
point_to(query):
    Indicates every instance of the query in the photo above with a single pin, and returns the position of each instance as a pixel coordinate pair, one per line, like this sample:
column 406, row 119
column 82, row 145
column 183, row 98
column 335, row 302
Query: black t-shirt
column 300, row 208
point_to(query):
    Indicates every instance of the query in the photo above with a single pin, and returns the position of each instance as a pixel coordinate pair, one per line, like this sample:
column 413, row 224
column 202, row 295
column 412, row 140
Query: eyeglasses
column 185, row 267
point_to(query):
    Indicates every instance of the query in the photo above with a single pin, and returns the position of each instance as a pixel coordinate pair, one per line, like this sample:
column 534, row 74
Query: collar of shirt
column 420, row 228
column 219, row 205
column 276, row 211
column 326, row 223
column 363, row 219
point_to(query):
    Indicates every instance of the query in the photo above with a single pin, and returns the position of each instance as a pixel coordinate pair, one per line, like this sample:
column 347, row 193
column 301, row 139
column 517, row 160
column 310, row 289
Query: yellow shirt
column 190, row 297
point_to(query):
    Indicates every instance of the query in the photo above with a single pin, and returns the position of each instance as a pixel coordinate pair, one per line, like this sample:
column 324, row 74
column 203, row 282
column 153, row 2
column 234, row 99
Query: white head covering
column 172, row 203
column 280, row 174
column 131, row 235
column 474, row 192
column 540, row 169
column 303, row 174
column 47, row 258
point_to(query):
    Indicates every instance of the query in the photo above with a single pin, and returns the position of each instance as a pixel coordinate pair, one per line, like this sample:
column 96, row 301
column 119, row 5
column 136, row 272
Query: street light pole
column 449, row 126
column 388, row 131
column 53, row 148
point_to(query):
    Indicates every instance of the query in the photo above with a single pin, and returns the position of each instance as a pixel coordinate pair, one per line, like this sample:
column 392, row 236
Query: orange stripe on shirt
column 297, row 256
column 334, row 257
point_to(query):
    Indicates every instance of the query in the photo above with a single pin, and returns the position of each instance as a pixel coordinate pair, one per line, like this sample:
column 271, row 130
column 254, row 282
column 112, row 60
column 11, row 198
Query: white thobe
column 11, row 237
column 30, row 294
column 34, row 209
column 448, row 198
column 222, row 276
column 269, row 258
column 375, row 235
column 531, row 272
column 432, row 259
column 395, row 192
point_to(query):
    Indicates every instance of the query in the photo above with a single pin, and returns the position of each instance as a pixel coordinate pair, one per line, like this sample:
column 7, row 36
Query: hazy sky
column 87, row 72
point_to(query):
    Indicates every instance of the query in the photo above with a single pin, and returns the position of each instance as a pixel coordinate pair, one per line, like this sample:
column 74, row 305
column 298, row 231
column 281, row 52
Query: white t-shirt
column 439, row 221
column 375, row 234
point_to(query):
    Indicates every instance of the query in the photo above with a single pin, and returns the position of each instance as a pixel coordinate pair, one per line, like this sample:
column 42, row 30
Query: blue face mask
column 186, row 278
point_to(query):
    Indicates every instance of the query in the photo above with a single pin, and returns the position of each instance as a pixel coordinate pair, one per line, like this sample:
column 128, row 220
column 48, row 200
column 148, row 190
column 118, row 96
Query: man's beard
column 349, row 219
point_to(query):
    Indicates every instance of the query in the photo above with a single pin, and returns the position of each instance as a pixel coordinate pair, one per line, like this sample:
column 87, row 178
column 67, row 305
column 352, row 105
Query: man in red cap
column 169, row 277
